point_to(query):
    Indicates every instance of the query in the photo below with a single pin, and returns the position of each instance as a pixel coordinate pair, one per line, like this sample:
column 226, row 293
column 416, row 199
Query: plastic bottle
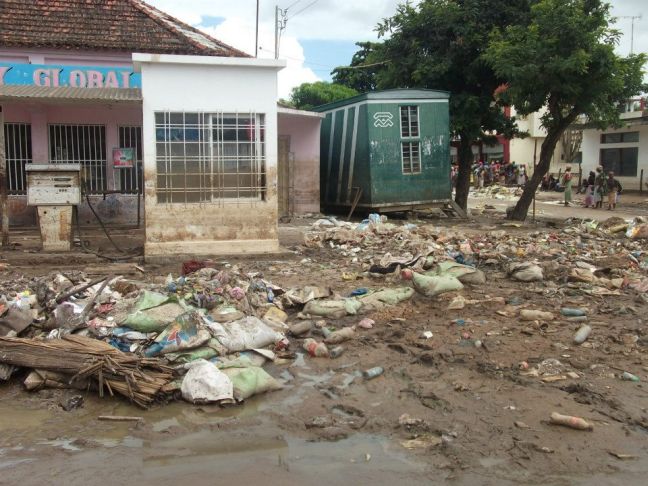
column 336, row 352
column 270, row 295
column 571, row 422
column 372, row 373
column 535, row 315
column 629, row 376
column 572, row 312
column 582, row 334
column 341, row 335
column 315, row 349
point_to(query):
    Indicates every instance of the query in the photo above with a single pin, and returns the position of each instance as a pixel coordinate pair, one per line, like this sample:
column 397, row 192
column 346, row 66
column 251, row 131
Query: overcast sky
column 320, row 34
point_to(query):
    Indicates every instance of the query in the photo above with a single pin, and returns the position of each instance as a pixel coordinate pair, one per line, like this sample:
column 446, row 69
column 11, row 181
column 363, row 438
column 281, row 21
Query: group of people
column 597, row 186
column 490, row 172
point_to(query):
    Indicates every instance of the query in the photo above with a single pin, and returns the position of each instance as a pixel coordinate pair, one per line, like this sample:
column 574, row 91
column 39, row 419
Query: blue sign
column 73, row 76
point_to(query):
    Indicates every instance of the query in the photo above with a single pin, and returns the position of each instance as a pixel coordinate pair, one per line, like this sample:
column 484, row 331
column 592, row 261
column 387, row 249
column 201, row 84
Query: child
column 589, row 196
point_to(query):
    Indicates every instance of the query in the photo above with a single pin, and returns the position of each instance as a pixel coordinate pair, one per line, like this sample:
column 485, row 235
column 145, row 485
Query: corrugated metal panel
column 362, row 147
column 69, row 94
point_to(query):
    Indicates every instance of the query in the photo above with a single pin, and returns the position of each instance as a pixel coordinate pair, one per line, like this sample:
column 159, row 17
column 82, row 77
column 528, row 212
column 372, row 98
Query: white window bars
column 18, row 152
column 208, row 157
column 81, row 144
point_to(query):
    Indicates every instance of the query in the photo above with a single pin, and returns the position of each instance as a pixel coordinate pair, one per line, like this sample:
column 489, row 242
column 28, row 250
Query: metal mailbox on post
column 54, row 189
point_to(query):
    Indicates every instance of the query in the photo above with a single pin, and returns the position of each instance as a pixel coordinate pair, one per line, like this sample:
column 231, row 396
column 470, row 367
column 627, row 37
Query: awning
column 66, row 94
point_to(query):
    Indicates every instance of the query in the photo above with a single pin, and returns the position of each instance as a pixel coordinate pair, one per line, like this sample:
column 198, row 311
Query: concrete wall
column 188, row 83
column 592, row 149
column 304, row 133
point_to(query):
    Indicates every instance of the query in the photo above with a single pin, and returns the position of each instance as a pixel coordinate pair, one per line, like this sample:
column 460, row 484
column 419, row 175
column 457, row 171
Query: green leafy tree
column 563, row 59
column 361, row 73
column 439, row 44
column 309, row 95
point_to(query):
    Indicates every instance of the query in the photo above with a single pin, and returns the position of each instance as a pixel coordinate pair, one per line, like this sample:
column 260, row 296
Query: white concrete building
column 623, row 151
column 522, row 150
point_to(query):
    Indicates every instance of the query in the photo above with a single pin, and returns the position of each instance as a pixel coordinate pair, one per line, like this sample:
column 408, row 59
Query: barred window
column 81, row 144
column 205, row 157
column 409, row 121
column 18, row 152
column 411, row 153
column 131, row 178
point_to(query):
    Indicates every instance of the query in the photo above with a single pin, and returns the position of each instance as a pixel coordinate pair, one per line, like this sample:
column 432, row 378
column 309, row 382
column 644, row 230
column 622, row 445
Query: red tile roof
column 112, row 25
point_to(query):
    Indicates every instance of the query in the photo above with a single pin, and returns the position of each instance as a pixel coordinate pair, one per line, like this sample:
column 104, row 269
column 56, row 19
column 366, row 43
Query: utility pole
column 632, row 22
column 256, row 37
column 276, row 31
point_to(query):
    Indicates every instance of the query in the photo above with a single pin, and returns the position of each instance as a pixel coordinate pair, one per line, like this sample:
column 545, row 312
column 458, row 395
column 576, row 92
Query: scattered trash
column 315, row 349
column 341, row 335
column 526, row 272
column 582, row 334
column 366, row 323
column 535, row 315
column 629, row 376
column 372, row 373
column 572, row 312
column 570, row 421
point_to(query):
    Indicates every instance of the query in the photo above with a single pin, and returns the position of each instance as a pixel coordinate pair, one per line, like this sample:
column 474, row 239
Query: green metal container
column 388, row 149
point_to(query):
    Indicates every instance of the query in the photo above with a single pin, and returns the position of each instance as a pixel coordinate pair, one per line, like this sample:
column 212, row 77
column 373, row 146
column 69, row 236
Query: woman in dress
column 567, row 184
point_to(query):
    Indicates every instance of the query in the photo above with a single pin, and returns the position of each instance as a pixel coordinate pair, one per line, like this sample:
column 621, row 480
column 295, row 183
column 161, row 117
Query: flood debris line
column 216, row 333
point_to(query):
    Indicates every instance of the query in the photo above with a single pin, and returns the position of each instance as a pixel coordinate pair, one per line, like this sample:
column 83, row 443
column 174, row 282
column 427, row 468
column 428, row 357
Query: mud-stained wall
column 194, row 84
column 304, row 133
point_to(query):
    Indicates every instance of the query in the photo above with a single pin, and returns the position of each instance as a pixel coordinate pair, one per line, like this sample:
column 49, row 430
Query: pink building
column 82, row 80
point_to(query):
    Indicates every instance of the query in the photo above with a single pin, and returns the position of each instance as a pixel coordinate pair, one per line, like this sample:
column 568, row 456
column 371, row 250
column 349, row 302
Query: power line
column 300, row 11
column 292, row 4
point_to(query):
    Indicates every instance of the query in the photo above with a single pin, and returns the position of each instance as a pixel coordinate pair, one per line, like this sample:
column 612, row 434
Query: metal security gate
column 130, row 180
column 81, row 144
column 18, row 152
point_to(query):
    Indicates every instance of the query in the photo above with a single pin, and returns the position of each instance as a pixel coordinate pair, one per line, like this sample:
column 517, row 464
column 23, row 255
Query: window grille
column 131, row 179
column 411, row 153
column 206, row 157
column 409, row 121
column 81, row 144
column 622, row 161
column 18, row 152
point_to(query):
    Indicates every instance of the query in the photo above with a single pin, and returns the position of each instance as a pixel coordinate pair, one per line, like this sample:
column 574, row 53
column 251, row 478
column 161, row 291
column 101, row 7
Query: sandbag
column 226, row 313
column 185, row 332
column 149, row 299
column 247, row 333
column 334, row 309
column 205, row 383
column 464, row 273
column 389, row 296
column 435, row 285
column 250, row 381
column 526, row 272
column 210, row 350
column 153, row 319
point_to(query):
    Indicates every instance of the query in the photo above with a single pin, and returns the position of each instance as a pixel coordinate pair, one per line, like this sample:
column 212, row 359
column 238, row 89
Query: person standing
column 599, row 188
column 612, row 186
column 567, row 184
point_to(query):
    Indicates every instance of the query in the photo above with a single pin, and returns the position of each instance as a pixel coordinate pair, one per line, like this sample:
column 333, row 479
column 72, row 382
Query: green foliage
column 439, row 45
column 565, row 60
column 361, row 73
column 309, row 95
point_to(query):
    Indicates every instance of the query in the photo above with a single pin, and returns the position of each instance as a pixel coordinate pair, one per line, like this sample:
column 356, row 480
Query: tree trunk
column 465, row 158
column 521, row 209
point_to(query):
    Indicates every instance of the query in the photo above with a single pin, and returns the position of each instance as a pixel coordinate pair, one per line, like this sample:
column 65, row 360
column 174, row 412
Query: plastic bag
column 637, row 230
column 334, row 309
column 435, row 285
column 205, row 383
column 247, row 333
column 250, row 381
column 184, row 333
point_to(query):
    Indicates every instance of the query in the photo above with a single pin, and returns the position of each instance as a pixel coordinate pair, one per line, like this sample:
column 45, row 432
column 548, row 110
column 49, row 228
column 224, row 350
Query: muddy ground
column 475, row 415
